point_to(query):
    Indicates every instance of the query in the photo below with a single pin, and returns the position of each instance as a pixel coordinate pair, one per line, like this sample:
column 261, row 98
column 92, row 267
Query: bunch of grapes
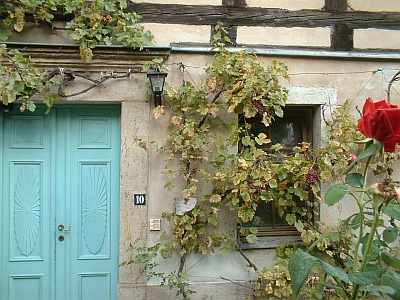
column 259, row 188
column 259, row 106
column 20, row 17
column 312, row 177
column 86, row 53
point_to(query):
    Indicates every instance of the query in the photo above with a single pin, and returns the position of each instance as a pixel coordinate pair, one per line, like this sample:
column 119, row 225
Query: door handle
column 61, row 227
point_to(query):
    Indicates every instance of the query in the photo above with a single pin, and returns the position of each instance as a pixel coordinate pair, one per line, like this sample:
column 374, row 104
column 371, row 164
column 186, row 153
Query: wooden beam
column 256, row 16
column 342, row 36
column 335, row 5
column 232, row 29
column 105, row 58
column 238, row 3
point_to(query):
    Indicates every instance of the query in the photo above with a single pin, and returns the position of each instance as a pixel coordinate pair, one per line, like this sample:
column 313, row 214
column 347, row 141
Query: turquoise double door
column 59, row 237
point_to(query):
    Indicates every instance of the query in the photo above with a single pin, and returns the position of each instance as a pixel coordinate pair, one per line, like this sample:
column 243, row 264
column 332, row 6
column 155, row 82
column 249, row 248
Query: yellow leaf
column 158, row 111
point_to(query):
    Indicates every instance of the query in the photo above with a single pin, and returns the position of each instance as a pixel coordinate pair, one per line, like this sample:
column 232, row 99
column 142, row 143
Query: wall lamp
column 157, row 80
column 7, row 108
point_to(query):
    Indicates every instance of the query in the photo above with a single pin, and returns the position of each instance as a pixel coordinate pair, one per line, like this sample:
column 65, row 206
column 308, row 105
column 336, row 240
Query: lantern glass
column 157, row 80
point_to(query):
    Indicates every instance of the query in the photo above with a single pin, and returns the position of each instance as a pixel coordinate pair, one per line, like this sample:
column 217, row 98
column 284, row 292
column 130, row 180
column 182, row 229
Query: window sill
column 270, row 242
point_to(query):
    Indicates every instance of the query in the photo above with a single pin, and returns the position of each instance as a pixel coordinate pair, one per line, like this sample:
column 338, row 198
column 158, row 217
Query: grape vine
column 92, row 23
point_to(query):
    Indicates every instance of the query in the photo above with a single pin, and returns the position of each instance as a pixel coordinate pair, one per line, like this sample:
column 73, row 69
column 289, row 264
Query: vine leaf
column 335, row 193
column 252, row 239
column 4, row 33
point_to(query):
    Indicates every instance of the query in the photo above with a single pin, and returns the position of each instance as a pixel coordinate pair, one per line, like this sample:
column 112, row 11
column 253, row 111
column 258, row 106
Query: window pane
column 263, row 215
column 288, row 134
column 267, row 217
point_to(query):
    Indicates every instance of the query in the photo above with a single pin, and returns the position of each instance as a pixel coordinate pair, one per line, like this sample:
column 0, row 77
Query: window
column 294, row 128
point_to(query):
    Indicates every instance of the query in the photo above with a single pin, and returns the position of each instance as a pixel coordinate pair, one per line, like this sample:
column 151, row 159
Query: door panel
column 94, row 175
column 26, row 208
column 60, row 169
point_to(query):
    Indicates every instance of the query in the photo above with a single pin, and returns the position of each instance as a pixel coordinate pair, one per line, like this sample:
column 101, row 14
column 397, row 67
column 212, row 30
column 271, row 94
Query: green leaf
column 335, row 272
column 30, row 106
column 299, row 226
column 393, row 210
column 349, row 168
column 213, row 219
column 246, row 141
column 390, row 234
column 49, row 100
column 335, row 193
column 246, row 214
column 371, row 150
column 300, row 265
column 252, row 238
column 379, row 223
column 391, row 260
column 372, row 268
column 363, row 278
column 355, row 179
column 5, row 33
column 166, row 253
column 380, row 243
column 373, row 253
column 273, row 183
column 392, row 279
column 225, row 250
column 245, row 196
column 364, row 239
column 353, row 221
column 48, row 17
column 335, row 237
column 168, row 185
column 253, row 230
column 378, row 288
column 290, row 219
column 262, row 139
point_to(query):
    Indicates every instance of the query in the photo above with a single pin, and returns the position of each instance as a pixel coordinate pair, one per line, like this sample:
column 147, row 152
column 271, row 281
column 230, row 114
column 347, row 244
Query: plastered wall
column 370, row 5
column 185, row 2
column 310, row 37
column 287, row 4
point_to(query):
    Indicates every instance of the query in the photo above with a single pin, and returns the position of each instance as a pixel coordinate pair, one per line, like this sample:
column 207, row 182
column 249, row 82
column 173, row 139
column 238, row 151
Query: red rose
column 381, row 121
column 398, row 194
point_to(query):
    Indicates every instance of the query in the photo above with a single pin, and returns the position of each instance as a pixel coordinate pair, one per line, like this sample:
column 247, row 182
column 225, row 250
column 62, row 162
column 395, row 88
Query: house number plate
column 139, row 199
